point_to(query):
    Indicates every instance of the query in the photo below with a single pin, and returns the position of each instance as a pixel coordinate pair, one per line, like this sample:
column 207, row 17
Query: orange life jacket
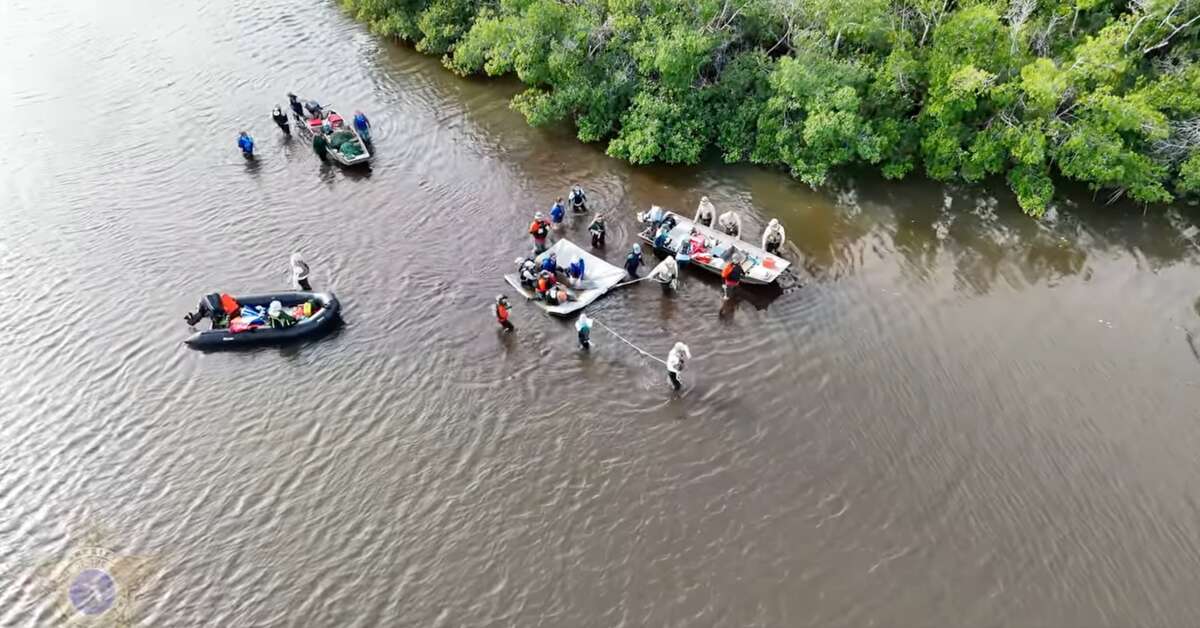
column 230, row 304
column 727, row 271
column 538, row 228
column 543, row 284
column 501, row 312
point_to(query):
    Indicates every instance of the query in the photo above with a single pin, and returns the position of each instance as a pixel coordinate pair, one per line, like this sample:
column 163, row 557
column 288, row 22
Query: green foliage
column 1189, row 174
column 1104, row 92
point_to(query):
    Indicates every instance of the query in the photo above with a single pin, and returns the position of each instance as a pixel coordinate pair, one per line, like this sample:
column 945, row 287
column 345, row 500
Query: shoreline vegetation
column 1102, row 92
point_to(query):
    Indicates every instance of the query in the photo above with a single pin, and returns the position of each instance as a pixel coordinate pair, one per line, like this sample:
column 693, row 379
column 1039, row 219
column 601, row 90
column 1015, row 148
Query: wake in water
column 1192, row 344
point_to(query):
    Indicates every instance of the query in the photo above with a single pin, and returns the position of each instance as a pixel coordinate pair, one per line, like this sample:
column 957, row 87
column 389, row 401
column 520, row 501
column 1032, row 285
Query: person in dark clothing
column 577, row 199
column 281, row 119
column 297, row 107
column 320, row 145
column 597, row 231
column 209, row 307
column 633, row 261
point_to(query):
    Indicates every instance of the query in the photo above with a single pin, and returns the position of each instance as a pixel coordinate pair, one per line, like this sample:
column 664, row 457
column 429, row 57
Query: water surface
column 965, row 417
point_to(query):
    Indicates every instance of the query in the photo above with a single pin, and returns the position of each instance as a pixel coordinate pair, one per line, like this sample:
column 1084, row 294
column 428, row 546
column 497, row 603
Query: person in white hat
column 676, row 361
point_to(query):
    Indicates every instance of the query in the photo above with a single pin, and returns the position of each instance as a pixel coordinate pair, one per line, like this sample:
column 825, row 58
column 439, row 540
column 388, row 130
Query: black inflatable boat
column 325, row 318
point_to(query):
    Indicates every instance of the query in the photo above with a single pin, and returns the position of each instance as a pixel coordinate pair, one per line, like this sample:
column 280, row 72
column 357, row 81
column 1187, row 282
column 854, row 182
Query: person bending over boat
column 362, row 125
column 550, row 264
column 557, row 211
column 314, row 110
column 731, row 224
column 577, row 199
column 558, row 294
column 676, row 361
column 539, row 229
column 297, row 108
column 320, row 145
column 545, row 283
column 501, row 311
column 662, row 237
column 597, row 231
column 773, row 237
column 246, row 143
column 300, row 273
column 575, row 271
column 666, row 273
column 633, row 260
column 706, row 213
column 654, row 217
column 731, row 275
column 527, row 272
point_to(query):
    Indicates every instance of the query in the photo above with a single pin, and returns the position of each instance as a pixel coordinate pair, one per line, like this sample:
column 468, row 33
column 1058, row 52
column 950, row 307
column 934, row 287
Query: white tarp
column 598, row 278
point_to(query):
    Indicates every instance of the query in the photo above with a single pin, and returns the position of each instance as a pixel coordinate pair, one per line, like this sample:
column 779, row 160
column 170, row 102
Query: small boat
column 327, row 314
column 346, row 146
column 711, row 249
column 598, row 278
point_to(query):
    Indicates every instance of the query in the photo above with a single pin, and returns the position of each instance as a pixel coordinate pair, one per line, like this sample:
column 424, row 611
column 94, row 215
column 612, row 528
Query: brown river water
column 964, row 418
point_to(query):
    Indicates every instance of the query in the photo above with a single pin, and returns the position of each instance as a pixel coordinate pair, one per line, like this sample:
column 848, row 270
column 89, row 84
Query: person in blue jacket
column 550, row 263
column 633, row 261
column 557, row 212
column 246, row 143
column 362, row 125
column 575, row 271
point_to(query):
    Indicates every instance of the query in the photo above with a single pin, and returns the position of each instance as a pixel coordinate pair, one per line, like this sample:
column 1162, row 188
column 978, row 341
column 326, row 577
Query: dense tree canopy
column 1105, row 92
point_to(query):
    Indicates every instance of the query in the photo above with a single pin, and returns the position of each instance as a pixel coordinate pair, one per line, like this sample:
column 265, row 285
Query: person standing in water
column 597, row 231
column 300, row 273
column 362, row 125
column 731, row 275
column 773, row 237
column 731, row 224
column 577, row 199
column 557, row 211
column 297, row 107
column 246, row 143
column 676, row 361
column 539, row 229
column 705, row 213
column 501, row 311
column 633, row 261
column 281, row 119
column 584, row 328
column 320, row 145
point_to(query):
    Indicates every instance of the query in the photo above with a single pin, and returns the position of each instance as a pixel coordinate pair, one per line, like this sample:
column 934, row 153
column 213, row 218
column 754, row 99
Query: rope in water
column 631, row 282
column 636, row 348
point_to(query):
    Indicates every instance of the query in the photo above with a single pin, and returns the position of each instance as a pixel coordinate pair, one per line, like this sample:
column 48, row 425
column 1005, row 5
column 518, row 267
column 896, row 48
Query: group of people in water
column 303, row 111
column 731, row 224
column 542, row 278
